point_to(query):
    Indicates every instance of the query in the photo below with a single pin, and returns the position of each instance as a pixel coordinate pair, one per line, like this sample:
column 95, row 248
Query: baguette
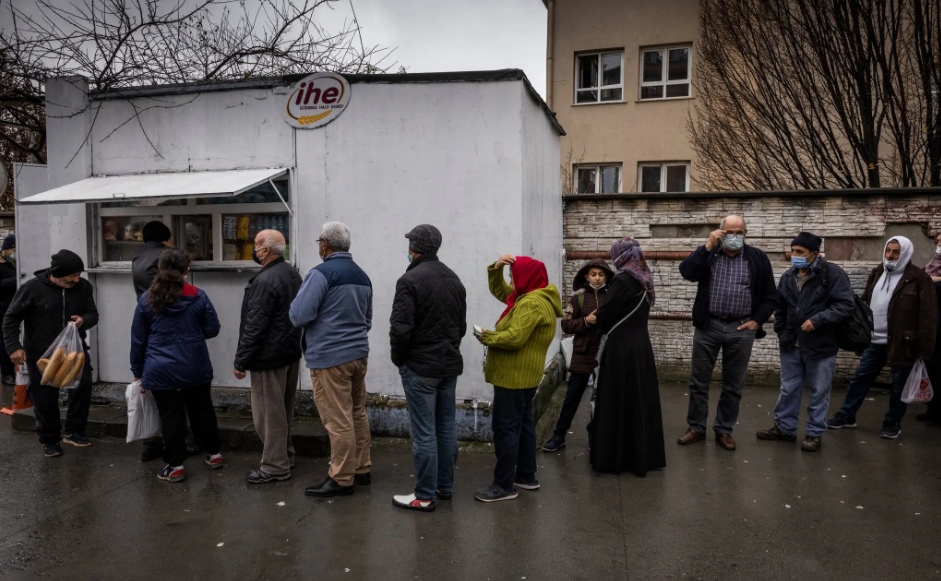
column 64, row 368
column 53, row 366
column 76, row 370
column 42, row 364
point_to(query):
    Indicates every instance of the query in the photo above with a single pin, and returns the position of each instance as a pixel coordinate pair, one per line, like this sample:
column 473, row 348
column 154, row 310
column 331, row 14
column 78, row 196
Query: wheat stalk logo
column 307, row 120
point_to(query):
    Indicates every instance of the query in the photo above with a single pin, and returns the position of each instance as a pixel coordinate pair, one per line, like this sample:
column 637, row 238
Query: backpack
column 855, row 333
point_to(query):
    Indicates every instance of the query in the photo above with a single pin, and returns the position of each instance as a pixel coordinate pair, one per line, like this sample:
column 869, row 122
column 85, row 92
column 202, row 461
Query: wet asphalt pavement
column 862, row 508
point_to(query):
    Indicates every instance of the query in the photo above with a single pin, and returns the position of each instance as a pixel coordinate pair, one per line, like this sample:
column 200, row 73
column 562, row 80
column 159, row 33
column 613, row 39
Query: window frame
column 598, row 54
column 598, row 181
column 663, row 165
column 664, row 82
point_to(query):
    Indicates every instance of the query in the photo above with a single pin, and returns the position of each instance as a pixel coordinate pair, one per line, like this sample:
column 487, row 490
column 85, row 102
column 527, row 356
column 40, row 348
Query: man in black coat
column 144, row 264
column 736, row 296
column 429, row 319
column 270, row 349
column 45, row 305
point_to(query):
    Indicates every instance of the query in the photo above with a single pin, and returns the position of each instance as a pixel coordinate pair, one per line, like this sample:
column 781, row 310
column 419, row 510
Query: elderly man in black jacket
column 45, row 305
column 429, row 319
column 736, row 296
column 270, row 348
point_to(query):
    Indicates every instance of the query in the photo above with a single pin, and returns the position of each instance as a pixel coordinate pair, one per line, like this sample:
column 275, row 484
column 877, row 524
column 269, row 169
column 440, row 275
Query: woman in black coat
column 626, row 432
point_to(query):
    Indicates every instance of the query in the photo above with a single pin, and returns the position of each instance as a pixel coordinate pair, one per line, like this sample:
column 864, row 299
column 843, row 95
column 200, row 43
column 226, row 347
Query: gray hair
column 337, row 236
column 269, row 240
column 742, row 218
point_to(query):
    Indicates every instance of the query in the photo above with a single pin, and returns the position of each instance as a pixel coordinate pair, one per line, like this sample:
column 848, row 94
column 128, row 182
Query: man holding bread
column 45, row 305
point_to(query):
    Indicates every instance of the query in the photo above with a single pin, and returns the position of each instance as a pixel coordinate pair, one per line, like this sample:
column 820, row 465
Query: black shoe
column 52, row 450
column 444, row 494
column 192, row 448
column 363, row 479
column 262, row 477
column 526, row 484
column 329, row 487
column 77, row 440
column 9, row 380
column 890, row 431
column 151, row 453
column 494, row 493
column 811, row 444
column 839, row 421
column 554, row 443
column 928, row 417
column 775, row 433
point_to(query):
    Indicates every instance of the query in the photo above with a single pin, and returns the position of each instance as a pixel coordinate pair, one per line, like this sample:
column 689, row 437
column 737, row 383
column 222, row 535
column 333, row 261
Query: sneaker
column 890, row 431
column 526, row 484
column 215, row 461
column 151, row 453
column 554, row 444
column 443, row 494
column 363, row 479
column 811, row 444
column 262, row 477
column 9, row 380
column 840, row 421
column 172, row 474
column 410, row 502
column 52, row 450
column 494, row 493
column 77, row 440
column 192, row 449
column 775, row 433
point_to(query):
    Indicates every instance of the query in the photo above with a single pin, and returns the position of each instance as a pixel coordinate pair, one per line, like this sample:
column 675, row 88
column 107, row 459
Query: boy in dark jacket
column 590, row 286
column 45, row 305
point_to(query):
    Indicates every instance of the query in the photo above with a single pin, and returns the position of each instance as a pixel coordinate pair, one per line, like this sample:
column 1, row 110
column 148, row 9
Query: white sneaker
column 410, row 502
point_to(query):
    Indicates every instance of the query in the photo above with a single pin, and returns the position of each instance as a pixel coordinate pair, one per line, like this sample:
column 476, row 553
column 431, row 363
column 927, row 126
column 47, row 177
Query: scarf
column 528, row 275
column 628, row 258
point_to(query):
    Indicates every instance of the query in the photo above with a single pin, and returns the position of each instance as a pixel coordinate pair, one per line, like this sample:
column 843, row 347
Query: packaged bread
column 64, row 359
column 42, row 364
column 76, row 370
column 64, row 369
column 53, row 368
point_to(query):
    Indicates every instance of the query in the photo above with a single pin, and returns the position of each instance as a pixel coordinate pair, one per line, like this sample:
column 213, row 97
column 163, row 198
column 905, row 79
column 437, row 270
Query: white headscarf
column 889, row 280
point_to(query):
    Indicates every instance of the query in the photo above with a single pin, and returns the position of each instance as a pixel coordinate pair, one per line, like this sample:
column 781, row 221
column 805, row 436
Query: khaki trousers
column 340, row 397
column 273, row 392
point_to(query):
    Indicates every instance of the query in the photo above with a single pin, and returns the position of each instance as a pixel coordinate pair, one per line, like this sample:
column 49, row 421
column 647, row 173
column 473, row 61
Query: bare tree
column 121, row 43
column 817, row 94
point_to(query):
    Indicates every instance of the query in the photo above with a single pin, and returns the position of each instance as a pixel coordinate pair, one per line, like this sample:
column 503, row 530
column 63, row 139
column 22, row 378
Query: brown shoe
column 725, row 441
column 691, row 437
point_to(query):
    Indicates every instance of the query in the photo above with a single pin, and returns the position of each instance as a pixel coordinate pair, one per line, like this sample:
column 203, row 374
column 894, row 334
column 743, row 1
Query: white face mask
column 599, row 287
column 938, row 250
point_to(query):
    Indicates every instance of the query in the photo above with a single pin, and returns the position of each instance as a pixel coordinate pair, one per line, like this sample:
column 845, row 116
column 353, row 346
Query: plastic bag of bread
column 64, row 360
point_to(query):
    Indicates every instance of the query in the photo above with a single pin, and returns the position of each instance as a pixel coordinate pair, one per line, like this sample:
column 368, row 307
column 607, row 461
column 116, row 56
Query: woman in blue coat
column 169, row 355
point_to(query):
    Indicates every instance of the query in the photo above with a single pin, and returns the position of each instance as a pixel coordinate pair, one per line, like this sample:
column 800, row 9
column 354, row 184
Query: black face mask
column 255, row 256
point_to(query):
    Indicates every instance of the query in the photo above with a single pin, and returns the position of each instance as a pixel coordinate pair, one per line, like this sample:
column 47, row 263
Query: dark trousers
column 736, row 349
column 7, row 368
column 514, row 436
column 578, row 382
column 870, row 366
column 46, row 405
column 174, row 405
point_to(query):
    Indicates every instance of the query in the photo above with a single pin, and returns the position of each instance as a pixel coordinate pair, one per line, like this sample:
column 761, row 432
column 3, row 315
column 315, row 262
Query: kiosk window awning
column 200, row 184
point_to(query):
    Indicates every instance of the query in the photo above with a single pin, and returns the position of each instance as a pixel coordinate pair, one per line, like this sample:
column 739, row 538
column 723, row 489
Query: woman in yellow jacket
column 516, row 360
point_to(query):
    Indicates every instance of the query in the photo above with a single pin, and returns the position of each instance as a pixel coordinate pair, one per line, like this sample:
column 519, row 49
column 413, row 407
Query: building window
column 599, row 77
column 664, row 177
column 665, row 73
column 598, row 179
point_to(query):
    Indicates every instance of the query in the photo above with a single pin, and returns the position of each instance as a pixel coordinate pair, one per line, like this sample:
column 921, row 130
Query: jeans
column 578, row 382
column 174, row 405
column 736, row 349
column 795, row 368
column 434, row 436
column 514, row 436
column 46, row 405
column 870, row 365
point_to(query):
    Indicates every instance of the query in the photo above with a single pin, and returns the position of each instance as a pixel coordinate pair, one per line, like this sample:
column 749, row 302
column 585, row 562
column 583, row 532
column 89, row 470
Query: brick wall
column 856, row 226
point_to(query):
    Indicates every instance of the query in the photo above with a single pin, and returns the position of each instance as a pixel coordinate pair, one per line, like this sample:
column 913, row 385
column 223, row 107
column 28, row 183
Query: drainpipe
column 550, row 48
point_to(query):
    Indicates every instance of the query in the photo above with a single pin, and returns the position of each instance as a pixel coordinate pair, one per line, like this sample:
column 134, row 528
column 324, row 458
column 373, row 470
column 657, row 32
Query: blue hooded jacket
column 168, row 351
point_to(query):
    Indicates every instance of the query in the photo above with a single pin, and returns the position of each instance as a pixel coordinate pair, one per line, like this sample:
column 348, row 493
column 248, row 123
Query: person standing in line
column 736, row 296
column 334, row 307
column 591, row 290
column 270, row 350
column 45, row 305
column 429, row 319
column 8, row 282
column 516, row 360
column 170, row 358
column 932, row 412
column 626, row 433
column 905, row 328
column 815, row 296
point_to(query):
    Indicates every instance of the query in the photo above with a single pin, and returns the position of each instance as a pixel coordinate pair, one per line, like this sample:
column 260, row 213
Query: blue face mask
column 734, row 242
column 798, row 262
column 410, row 258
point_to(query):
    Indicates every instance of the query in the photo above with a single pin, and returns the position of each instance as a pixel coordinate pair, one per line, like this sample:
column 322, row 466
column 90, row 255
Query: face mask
column 798, row 262
column 890, row 264
column 410, row 257
column 255, row 256
column 936, row 251
column 599, row 287
column 734, row 242
column 13, row 255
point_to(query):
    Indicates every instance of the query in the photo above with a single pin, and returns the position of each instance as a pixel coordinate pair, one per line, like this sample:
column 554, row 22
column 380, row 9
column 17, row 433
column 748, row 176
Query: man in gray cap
column 429, row 319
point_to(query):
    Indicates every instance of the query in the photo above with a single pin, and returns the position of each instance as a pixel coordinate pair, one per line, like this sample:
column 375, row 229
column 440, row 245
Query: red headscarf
column 528, row 275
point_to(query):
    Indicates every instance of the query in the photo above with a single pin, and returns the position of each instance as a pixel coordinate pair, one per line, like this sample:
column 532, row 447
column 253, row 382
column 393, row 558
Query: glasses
column 319, row 240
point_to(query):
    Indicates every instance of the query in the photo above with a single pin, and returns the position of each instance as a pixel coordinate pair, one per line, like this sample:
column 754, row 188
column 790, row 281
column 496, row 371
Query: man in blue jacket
column 814, row 297
column 736, row 296
column 334, row 307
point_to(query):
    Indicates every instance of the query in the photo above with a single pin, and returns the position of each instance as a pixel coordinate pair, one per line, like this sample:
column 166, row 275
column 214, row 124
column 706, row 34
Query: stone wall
column 854, row 225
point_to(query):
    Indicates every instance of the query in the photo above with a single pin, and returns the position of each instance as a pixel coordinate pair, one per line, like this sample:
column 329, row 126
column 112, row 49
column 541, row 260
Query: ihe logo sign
column 316, row 100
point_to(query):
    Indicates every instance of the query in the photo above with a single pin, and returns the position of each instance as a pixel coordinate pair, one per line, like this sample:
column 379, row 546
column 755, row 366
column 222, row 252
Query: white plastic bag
column 917, row 386
column 64, row 360
column 568, row 347
column 143, row 419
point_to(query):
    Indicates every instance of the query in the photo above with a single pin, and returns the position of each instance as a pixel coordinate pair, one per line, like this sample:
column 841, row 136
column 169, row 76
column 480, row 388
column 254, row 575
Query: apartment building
column 620, row 78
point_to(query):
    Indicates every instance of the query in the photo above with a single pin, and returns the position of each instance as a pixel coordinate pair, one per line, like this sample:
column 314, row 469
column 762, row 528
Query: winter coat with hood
column 904, row 308
column 585, row 301
column 45, row 309
column 168, row 350
column 516, row 355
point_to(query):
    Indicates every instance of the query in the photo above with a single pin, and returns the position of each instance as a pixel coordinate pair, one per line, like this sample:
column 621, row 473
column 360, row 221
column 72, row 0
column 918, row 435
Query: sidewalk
column 766, row 511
